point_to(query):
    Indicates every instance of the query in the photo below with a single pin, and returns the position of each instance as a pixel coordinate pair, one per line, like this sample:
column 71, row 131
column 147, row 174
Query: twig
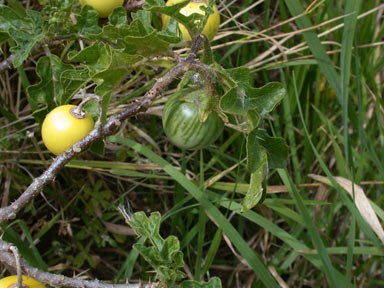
column 195, row 47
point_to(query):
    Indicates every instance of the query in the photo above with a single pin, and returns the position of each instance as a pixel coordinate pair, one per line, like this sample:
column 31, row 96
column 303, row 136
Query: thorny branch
column 59, row 280
column 99, row 132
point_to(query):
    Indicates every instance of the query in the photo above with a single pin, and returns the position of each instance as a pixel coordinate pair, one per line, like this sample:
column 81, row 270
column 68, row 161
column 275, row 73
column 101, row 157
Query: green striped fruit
column 183, row 127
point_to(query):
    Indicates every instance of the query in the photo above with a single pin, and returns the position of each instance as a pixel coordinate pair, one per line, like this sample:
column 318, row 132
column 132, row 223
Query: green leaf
column 242, row 97
column 144, row 37
column 115, row 73
column 171, row 33
column 147, row 45
column 3, row 37
column 26, row 32
column 141, row 24
column 118, row 18
column 253, row 119
column 71, row 81
column 120, row 65
column 25, row 43
column 37, row 20
column 254, row 152
column 107, row 68
column 171, row 252
column 212, row 283
column 87, row 22
column 106, row 64
column 57, row 16
column 49, row 90
column 276, row 148
column 18, row 8
column 148, row 227
column 26, row 40
column 96, row 57
column 112, row 32
column 239, row 75
column 139, row 37
column 10, row 19
column 165, row 255
column 255, row 190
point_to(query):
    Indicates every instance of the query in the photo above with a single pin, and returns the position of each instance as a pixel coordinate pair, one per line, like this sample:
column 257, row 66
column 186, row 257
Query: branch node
column 117, row 122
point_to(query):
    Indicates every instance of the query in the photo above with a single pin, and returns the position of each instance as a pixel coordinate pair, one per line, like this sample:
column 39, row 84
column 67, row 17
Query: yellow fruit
column 61, row 129
column 27, row 282
column 103, row 7
column 212, row 25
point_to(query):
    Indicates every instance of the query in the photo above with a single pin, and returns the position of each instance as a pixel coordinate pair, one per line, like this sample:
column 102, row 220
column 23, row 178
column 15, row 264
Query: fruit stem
column 78, row 111
column 15, row 251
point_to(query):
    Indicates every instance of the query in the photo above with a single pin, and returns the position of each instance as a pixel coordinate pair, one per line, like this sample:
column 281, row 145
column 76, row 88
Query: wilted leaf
column 361, row 201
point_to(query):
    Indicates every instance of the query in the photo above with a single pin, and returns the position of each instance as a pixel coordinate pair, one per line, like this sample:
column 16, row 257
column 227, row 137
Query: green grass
column 312, row 234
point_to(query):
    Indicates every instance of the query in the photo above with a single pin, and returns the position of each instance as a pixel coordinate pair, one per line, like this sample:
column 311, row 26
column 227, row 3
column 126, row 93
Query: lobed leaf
column 25, row 32
column 164, row 255
column 50, row 89
column 242, row 97
column 87, row 22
